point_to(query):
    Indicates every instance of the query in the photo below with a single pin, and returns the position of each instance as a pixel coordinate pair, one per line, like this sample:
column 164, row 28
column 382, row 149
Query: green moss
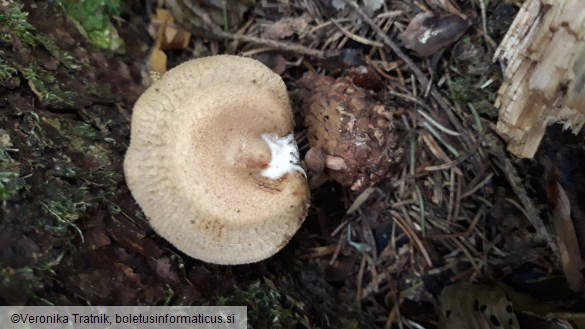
column 461, row 89
column 28, row 280
column 52, row 91
column 9, row 185
column 64, row 201
column 466, row 90
column 474, row 78
column 85, row 130
column 10, row 181
column 15, row 20
column 115, row 177
column 45, row 85
column 65, row 209
column 167, row 297
column 265, row 309
column 279, row 303
column 93, row 16
column 6, row 70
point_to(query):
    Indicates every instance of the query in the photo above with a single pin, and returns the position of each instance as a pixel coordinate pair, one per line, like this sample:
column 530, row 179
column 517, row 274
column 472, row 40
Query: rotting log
column 545, row 74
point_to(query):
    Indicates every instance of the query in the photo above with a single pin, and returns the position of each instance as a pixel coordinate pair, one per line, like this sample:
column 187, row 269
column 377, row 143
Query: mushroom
column 352, row 135
column 213, row 162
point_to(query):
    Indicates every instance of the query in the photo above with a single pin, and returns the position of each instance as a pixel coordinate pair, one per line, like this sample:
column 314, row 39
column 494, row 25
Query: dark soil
column 70, row 232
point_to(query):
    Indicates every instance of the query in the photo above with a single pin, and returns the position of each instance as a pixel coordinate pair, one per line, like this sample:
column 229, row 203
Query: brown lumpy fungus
column 213, row 163
column 352, row 137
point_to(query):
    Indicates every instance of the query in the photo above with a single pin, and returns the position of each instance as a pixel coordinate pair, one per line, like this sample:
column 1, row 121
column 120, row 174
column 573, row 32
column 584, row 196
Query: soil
column 70, row 232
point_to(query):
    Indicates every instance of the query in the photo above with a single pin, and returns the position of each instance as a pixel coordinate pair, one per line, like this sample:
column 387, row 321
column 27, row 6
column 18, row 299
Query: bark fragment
column 545, row 52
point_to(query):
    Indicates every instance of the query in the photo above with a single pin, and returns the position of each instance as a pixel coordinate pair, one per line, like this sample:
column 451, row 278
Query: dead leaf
column 466, row 305
column 366, row 77
column 132, row 238
column 370, row 5
column 158, row 61
column 540, row 314
column 286, row 27
column 373, row 5
column 338, row 4
column 167, row 36
column 164, row 269
column 174, row 37
column 427, row 32
column 219, row 12
column 566, row 236
column 275, row 61
column 95, row 238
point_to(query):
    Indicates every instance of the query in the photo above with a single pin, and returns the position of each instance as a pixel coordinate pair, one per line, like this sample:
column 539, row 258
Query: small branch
column 388, row 42
column 283, row 46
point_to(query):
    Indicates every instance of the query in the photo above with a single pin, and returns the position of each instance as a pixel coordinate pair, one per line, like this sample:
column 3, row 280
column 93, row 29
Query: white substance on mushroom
column 284, row 156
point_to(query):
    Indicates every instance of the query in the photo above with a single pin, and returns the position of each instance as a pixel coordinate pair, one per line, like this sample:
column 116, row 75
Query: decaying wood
column 545, row 74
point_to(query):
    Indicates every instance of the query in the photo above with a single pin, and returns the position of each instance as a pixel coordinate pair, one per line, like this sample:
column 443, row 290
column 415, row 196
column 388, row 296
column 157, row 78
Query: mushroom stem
column 284, row 156
column 335, row 163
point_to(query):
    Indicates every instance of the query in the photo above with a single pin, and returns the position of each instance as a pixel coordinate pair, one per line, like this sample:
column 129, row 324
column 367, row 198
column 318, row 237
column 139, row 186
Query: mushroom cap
column 197, row 152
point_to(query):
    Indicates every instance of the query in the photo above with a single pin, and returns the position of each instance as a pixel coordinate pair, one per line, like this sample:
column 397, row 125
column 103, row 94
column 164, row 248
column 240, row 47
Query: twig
column 438, row 125
column 437, row 151
column 359, row 282
column 478, row 186
column 479, row 126
column 409, row 231
column 355, row 37
column 451, row 203
column 465, row 233
column 417, row 71
column 421, row 206
column 486, row 35
column 458, row 193
column 457, row 161
column 440, row 139
column 467, row 254
column 282, row 46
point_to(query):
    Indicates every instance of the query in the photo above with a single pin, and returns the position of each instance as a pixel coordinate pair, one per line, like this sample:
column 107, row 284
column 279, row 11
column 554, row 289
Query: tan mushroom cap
column 196, row 155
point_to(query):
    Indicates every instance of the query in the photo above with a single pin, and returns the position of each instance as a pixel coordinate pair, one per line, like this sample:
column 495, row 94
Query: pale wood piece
column 545, row 75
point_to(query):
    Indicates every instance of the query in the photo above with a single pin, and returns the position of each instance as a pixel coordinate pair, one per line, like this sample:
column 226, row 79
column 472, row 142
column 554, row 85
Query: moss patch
column 94, row 17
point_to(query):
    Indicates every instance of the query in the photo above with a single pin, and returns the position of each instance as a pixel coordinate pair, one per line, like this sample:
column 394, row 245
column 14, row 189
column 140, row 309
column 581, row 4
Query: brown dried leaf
column 286, row 27
column 95, row 238
column 275, row 61
column 466, row 305
column 164, row 269
column 566, row 236
column 167, row 36
column 133, row 239
column 366, row 77
column 370, row 5
column 158, row 61
column 173, row 36
column 427, row 32
column 218, row 10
